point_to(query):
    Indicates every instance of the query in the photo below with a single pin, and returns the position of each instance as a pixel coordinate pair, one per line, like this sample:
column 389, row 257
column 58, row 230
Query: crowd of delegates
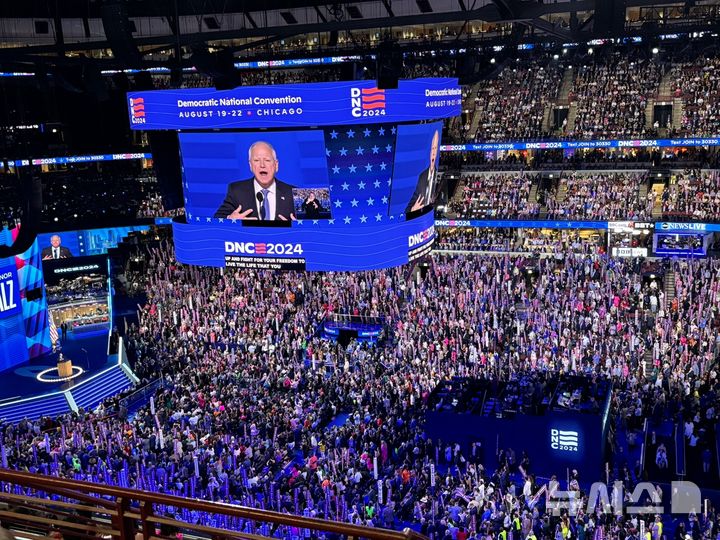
column 253, row 77
column 552, row 242
column 536, row 241
column 258, row 410
column 10, row 203
column 611, row 96
column 512, row 106
column 120, row 191
column 495, row 196
column 475, row 239
column 601, row 196
column 414, row 67
column 693, row 194
column 698, row 84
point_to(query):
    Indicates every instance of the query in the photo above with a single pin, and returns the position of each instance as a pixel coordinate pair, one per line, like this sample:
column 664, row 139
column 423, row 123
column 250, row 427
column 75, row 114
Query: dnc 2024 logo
column 137, row 110
column 564, row 440
column 367, row 102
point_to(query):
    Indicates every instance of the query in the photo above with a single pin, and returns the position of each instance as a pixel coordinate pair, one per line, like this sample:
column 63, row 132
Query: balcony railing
column 43, row 505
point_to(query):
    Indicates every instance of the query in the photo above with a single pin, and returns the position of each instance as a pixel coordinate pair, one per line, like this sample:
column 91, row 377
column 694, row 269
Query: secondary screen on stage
column 269, row 176
column 69, row 244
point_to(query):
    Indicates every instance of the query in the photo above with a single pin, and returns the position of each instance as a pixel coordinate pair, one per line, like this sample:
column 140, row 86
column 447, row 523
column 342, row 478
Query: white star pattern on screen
column 369, row 175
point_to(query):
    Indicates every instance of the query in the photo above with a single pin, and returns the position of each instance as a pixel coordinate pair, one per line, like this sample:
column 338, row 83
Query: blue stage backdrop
column 553, row 442
column 294, row 105
column 412, row 161
column 211, row 161
column 24, row 324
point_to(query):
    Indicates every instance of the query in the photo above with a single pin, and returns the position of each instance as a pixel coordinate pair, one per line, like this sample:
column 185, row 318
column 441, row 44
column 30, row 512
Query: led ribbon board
column 294, row 105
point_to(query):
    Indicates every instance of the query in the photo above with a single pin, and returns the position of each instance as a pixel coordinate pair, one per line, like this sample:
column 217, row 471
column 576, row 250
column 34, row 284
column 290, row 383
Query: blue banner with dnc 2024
column 294, row 105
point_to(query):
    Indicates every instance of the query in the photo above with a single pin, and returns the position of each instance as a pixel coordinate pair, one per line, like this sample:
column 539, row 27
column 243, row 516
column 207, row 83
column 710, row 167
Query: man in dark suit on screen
column 262, row 197
column 428, row 181
column 55, row 250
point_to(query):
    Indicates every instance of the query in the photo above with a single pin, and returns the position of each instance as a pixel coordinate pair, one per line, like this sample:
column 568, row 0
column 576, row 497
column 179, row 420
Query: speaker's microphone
column 259, row 197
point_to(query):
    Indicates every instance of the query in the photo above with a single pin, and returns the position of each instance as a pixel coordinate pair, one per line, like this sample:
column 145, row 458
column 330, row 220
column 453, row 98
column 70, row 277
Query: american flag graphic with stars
column 360, row 166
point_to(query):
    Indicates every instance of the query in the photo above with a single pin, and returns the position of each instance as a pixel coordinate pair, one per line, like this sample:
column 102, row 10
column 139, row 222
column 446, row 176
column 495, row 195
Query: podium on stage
column 64, row 367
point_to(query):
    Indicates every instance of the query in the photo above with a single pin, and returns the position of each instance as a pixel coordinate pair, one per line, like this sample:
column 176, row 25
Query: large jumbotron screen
column 336, row 176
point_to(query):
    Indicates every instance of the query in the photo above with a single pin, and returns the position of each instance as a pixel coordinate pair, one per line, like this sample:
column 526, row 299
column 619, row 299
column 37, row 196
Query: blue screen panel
column 318, row 247
column 294, row 105
column 415, row 178
column 85, row 242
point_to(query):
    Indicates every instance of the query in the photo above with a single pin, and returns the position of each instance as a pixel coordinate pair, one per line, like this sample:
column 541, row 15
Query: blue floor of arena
column 20, row 380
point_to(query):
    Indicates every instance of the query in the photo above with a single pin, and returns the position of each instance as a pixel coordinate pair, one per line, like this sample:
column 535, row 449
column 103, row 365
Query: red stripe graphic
column 139, row 114
column 373, row 106
column 137, row 108
column 367, row 91
column 138, row 100
column 377, row 97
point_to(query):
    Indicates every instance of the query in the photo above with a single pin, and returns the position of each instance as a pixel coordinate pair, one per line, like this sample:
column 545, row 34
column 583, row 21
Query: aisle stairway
column 572, row 115
column 562, row 193
column 669, row 286
column 532, row 197
column 665, row 90
column 566, row 85
column 658, row 189
column 470, row 104
column 678, row 112
column 649, row 113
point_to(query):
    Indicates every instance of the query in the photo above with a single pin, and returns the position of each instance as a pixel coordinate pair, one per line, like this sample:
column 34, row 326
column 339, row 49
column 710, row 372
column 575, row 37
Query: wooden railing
column 41, row 506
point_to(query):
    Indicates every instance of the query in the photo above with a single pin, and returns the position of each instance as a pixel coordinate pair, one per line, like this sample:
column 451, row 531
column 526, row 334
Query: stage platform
column 22, row 395
column 343, row 328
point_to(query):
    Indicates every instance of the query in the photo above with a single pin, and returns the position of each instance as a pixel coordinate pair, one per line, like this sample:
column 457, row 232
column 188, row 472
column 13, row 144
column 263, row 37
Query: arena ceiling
column 137, row 32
